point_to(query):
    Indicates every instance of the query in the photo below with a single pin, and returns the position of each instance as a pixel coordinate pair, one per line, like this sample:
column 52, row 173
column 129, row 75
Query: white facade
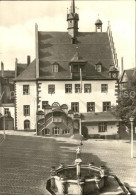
column 111, row 129
column 63, row 98
column 66, row 98
column 11, row 109
column 22, row 100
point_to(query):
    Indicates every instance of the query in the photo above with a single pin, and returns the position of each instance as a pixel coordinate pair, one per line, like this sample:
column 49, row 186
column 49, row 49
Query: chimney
column 16, row 62
column 122, row 65
column 28, row 60
column 2, row 69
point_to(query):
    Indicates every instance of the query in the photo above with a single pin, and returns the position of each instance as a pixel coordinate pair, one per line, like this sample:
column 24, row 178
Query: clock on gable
column 113, row 72
column 114, row 75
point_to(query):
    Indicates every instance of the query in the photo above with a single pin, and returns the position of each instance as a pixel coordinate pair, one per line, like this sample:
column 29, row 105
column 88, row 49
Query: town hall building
column 71, row 85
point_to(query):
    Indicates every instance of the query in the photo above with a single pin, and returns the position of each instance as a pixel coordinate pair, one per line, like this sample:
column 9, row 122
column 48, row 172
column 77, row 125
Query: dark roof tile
column 9, row 73
column 57, row 47
column 20, row 68
column 99, row 117
column 29, row 73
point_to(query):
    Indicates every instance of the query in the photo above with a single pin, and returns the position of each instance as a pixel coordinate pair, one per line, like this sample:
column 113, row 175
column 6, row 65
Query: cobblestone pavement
column 25, row 162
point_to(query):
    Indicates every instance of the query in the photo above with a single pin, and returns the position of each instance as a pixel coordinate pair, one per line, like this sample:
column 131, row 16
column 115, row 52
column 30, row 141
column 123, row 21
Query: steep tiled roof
column 20, row 68
column 129, row 73
column 57, row 47
column 29, row 73
column 99, row 117
column 77, row 58
column 9, row 73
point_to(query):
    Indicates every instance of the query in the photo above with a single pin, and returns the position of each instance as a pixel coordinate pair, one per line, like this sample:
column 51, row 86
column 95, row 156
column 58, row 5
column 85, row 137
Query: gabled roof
column 127, row 73
column 77, row 58
column 57, row 47
column 99, row 117
column 29, row 73
column 8, row 73
column 20, row 68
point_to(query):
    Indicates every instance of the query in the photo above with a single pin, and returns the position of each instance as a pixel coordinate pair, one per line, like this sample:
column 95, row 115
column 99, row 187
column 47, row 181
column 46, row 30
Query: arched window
column 26, row 124
column 56, row 130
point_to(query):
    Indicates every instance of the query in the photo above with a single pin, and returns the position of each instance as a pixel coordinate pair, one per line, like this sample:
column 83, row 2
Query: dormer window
column 75, row 68
column 55, row 67
column 98, row 67
column 83, row 68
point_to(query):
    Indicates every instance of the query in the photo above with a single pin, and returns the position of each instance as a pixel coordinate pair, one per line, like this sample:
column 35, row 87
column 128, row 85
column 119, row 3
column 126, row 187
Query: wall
column 64, row 98
column 11, row 109
column 61, row 97
column 112, row 128
column 12, row 112
column 25, row 100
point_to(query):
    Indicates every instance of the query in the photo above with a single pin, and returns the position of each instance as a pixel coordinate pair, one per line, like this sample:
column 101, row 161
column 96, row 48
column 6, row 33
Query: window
column 55, row 67
column 26, row 90
column 68, row 88
column 26, row 124
column 77, row 88
column 106, row 106
column 75, row 68
column 75, row 106
column 90, row 106
column 26, row 110
column 46, row 132
column 66, row 131
column 56, row 130
column 87, row 88
column 102, row 127
column 6, row 111
column 98, row 68
column 83, row 68
column 104, row 88
column 44, row 103
column 51, row 89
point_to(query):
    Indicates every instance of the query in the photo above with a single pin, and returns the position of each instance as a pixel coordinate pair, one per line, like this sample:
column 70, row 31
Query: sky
column 18, row 18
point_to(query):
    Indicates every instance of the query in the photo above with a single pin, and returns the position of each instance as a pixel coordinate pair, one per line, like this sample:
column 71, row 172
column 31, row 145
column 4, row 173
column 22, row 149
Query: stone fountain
column 80, row 179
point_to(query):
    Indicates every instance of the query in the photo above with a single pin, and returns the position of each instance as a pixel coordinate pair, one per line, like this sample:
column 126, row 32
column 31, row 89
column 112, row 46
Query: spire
column 72, row 19
column 72, row 6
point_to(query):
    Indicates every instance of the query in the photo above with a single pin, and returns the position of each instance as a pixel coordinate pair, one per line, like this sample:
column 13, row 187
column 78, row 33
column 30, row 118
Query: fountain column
column 78, row 162
column 53, row 173
column 63, row 186
column 80, row 187
column 98, row 182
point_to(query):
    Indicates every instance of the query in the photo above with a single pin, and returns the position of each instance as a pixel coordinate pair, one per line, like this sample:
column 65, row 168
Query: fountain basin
column 65, row 181
column 80, row 179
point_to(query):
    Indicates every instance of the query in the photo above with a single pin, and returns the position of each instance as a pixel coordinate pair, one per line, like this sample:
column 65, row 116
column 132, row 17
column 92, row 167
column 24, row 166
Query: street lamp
column 4, row 125
column 132, row 121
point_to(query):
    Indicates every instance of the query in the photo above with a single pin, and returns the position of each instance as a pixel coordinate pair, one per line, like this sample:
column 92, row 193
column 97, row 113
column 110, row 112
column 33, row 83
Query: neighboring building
column 126, row 76
column 72, row 83
column 7, row 93
column 7, row 107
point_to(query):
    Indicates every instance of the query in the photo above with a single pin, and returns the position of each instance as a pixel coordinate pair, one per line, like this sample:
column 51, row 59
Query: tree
column 127, row 102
